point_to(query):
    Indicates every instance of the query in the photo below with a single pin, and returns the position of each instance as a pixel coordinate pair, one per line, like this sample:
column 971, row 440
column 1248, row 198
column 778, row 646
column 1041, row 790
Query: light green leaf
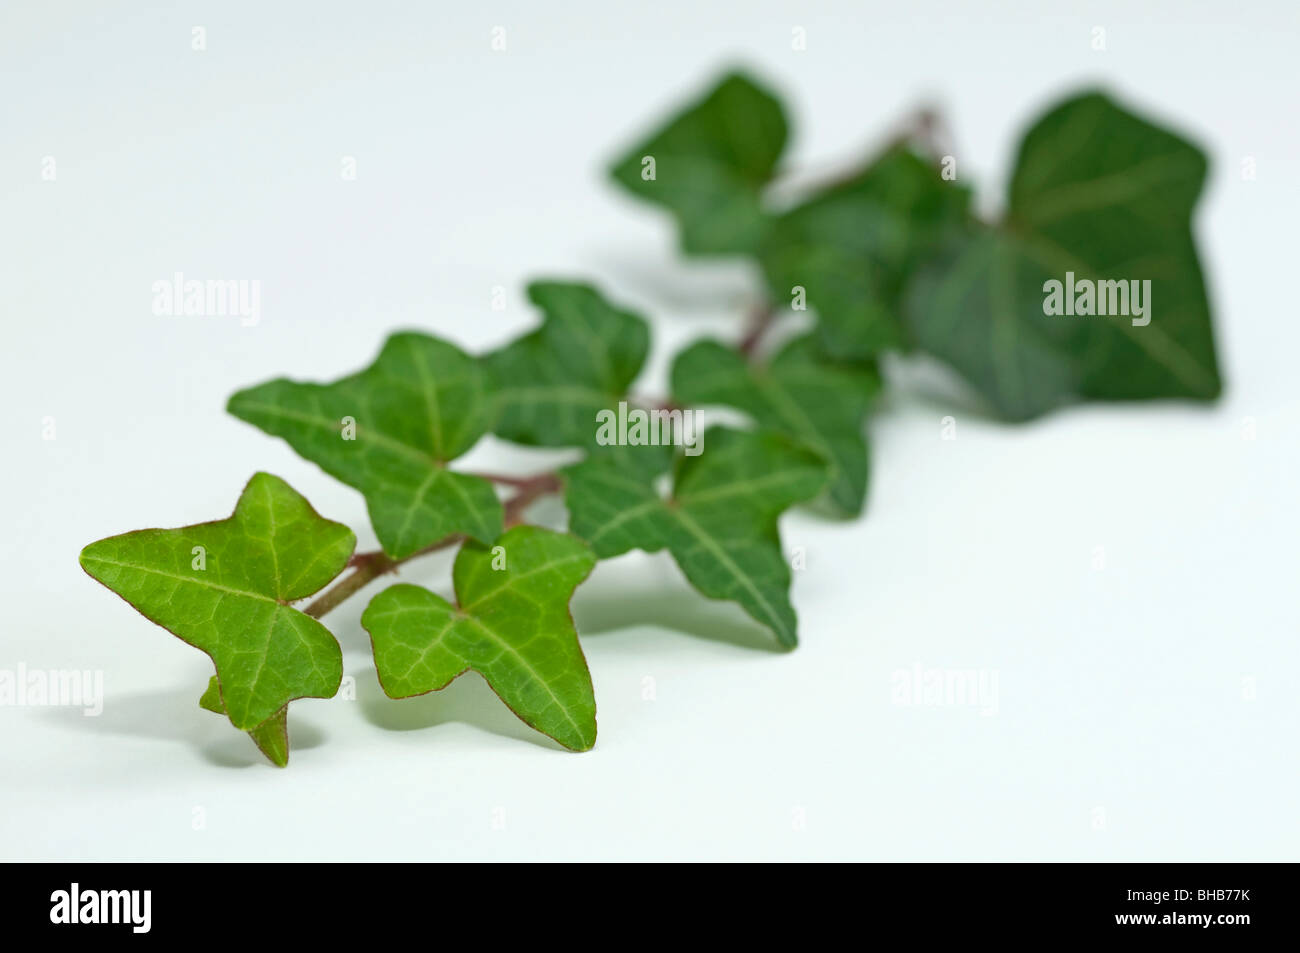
column 851, row 248
column 225, row 587
column 390, row 431
column 552, row 382
column 719, row 523
column 271, row 736
column 800, row 393
column 1100, row 193
column 710, row 164
column 511, row 624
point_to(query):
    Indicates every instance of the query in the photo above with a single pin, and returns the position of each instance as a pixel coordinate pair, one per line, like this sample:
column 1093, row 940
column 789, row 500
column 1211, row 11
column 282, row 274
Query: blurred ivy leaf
column 719, row 522
column 708, row 165
column 552, row 382
column 225, row 587
column 271, row 736
column 390, row 431
column 800, row 393
column 511, row 624
column 851, row 247
column 1101, row 195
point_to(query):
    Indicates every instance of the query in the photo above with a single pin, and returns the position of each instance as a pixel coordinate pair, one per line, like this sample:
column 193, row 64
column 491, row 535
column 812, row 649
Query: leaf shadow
column 175, row 716
column 922, row 383
column 677, row 609
column 468, row 700
column 687, row 289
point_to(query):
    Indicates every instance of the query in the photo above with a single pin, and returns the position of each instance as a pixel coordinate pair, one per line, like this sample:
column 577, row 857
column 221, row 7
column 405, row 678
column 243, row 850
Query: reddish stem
column 367, row 567
column 761, row 319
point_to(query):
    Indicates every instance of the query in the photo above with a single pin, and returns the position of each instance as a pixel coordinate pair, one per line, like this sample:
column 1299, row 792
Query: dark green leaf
column 800, row 393
column 1098, row 194
column 710, row 164
column 390, row 431
column 852, row 246
column 552, row 382
column 719, row 523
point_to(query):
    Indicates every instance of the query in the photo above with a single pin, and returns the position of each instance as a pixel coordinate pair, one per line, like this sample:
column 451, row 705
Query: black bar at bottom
column 309, row 901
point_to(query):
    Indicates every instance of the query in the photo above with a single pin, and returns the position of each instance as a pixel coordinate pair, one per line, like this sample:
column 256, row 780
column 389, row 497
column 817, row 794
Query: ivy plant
column 888, row 258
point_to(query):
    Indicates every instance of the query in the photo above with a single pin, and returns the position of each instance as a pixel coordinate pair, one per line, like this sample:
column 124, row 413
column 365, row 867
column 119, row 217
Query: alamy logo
column 38, row 688
column 75, row 905
column 660, row 427
column 1106, row 298
column 946, row 688
column 239, row 298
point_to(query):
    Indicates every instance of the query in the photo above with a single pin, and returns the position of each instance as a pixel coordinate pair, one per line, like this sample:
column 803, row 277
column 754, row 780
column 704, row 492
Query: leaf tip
column 584, row 739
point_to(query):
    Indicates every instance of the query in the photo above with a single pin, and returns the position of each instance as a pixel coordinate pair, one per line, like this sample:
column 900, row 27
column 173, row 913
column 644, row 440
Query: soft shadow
column 232, row 751
column 468, row 700
column 175, row 716
column 923, row 383
column 938, row 400
column 706, row 289
column 677, row 609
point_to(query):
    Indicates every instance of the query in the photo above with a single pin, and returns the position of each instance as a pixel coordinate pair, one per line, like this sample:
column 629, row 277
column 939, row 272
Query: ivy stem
column 505, row 479
column 529, row 490
column 367, row 567
column 761, row 318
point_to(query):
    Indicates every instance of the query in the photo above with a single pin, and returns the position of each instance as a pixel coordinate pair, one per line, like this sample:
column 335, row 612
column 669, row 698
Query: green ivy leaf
column 852, row 246
column 225, row 587
column 511, row 624
column 719, row 523
column 1102, row 193
column 711, row 162
column 421, row 404
column 271, row 736
column 800, row 393
column 552, row 382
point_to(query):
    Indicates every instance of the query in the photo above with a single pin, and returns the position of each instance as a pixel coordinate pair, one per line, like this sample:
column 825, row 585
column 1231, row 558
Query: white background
column 1145, row 711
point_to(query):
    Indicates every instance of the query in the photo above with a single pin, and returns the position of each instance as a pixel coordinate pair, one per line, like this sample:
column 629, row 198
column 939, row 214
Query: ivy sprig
column 887, row 259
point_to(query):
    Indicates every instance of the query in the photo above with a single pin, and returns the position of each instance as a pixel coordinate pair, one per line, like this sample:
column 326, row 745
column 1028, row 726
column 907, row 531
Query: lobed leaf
column 800, row 393
column 225, row 588
column 711, row 162
column 551, row 383
column 511, row 624
column 719, row 523
column 1101, row 193
column 390, row 431
column 271, row 736
column 851, row 248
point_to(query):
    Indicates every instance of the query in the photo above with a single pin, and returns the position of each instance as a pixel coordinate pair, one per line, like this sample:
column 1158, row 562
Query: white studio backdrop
column 1143, row 708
